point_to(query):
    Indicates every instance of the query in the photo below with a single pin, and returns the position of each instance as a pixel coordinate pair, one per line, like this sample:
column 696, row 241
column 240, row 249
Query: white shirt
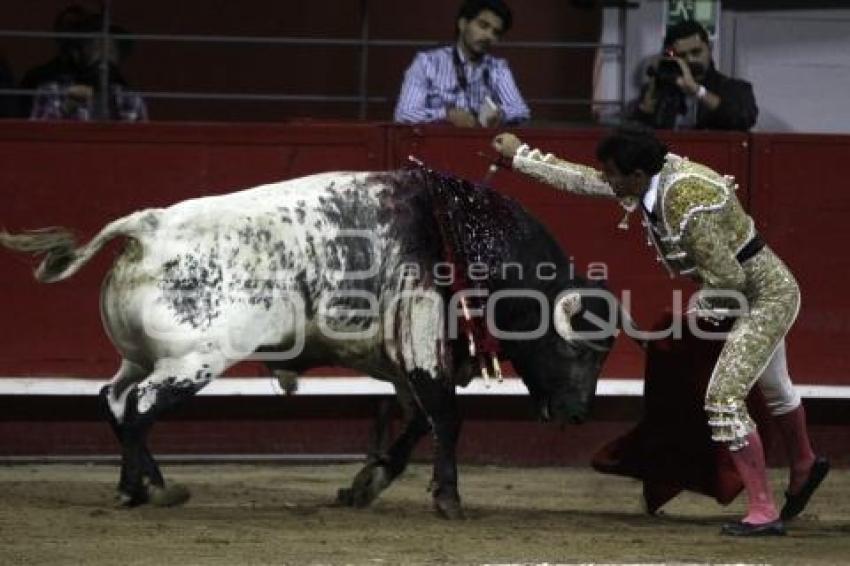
column 651, row 195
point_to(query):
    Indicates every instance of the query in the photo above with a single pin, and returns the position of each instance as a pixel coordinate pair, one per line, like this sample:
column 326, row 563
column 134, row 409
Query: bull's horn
column 568, row 305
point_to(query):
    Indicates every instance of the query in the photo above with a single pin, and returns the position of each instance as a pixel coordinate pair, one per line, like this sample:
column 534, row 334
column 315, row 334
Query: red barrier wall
column 801, row 203
column 82, row 175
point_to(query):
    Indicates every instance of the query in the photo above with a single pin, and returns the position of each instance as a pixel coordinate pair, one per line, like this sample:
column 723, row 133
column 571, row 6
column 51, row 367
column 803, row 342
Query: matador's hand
column 709, row 313
column 506, row 144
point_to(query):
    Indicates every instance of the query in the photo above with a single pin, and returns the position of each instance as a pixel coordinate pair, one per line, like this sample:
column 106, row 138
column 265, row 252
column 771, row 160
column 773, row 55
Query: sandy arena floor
column 276, row 514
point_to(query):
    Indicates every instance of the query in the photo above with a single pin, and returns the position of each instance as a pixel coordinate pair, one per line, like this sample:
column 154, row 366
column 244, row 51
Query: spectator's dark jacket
column 737, row 110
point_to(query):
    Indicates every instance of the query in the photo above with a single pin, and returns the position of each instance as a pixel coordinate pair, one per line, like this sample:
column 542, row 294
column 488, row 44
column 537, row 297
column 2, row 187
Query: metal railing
column 362, row 97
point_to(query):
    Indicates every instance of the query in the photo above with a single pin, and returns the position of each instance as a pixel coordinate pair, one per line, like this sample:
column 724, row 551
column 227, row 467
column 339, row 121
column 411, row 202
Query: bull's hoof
column 449, row 508
column 131, row 499
column 169, row 495
column 345, row 496
column 367, row 485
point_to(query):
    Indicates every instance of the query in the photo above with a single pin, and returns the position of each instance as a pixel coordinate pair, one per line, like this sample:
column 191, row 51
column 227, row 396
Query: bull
column 345, row 269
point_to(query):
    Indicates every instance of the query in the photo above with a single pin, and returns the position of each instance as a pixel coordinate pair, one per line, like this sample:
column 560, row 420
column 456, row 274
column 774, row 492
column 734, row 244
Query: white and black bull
column 341, row 269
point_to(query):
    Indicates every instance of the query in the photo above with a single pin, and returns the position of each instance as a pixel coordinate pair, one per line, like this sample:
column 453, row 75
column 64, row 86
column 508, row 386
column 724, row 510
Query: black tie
column 651, row 215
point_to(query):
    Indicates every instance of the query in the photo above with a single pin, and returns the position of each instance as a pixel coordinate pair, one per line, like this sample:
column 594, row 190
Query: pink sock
column 792, row 427
column 749, row 461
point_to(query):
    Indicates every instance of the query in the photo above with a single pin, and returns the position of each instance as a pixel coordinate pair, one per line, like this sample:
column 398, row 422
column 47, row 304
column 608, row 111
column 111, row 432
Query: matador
column 700, row 230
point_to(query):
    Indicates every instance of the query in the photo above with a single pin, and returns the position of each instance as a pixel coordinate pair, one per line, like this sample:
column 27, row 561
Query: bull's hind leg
column 172, row 381
column 113, row 398
column 381, row 470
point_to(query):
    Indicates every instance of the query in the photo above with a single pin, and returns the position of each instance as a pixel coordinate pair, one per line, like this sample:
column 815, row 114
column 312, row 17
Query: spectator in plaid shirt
column 463, row 84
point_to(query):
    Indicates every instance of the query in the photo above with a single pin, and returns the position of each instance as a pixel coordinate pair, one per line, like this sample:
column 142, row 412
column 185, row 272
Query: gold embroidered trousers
column 773, row 300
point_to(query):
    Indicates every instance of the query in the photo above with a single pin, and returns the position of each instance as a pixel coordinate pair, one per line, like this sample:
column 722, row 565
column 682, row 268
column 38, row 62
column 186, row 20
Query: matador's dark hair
column 471, row 8
column 633, row 147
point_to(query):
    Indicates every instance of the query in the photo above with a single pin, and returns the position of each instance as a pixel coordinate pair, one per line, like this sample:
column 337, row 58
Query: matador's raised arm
column 563, row 175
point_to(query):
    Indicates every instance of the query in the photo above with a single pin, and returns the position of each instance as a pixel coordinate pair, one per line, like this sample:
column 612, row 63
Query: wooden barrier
column 82, row 175
column 801, row 203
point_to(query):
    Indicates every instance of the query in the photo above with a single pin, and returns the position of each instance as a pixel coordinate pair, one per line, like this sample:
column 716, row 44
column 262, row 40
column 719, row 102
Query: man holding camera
column 687, row 92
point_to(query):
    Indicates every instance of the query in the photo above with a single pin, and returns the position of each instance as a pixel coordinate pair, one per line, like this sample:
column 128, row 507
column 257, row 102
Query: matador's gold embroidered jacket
column 702, row 246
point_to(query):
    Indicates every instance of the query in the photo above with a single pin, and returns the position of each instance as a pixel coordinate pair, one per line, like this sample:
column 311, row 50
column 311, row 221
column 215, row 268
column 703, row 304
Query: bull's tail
column 63, row 256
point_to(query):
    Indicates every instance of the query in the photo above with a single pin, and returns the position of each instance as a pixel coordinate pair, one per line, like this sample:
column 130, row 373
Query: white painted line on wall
column 319, row 386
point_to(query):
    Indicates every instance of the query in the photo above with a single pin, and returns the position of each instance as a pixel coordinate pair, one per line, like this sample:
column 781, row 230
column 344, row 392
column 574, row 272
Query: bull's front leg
column 437, row 399
column 382, row 469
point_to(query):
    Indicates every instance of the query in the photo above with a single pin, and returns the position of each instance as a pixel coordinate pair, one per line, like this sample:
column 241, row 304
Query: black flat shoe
column 794, row 504
column 741, row 529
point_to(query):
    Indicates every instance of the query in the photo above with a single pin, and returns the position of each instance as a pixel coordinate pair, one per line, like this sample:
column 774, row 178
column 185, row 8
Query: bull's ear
column 567, row 305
